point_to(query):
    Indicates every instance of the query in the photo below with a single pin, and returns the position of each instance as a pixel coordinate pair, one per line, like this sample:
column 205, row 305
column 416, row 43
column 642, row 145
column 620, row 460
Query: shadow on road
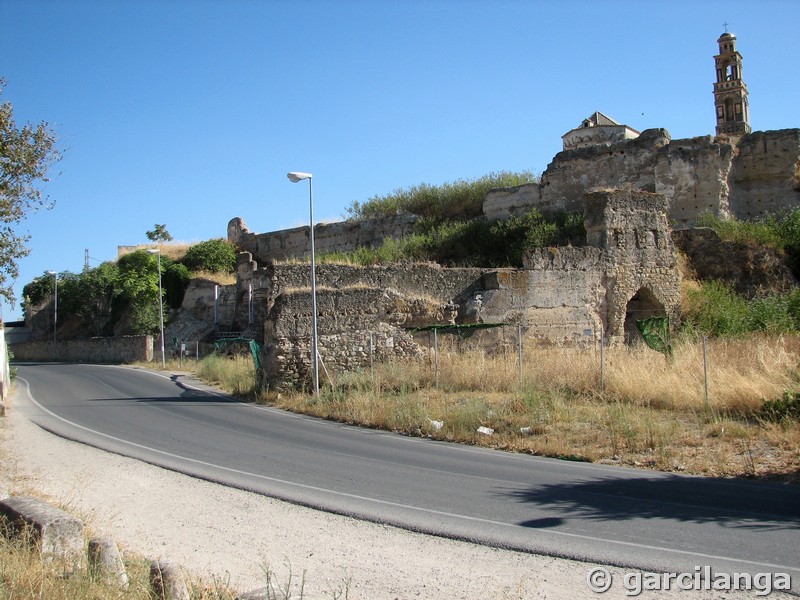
column 757, row 506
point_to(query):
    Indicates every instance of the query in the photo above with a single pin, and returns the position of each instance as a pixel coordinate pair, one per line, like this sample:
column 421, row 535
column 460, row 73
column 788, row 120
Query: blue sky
column 190, row 113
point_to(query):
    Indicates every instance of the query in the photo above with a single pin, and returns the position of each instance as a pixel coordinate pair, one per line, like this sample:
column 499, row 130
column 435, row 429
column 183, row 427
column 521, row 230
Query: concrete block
column 166, row 581
column 57, row 533
column 105, row 562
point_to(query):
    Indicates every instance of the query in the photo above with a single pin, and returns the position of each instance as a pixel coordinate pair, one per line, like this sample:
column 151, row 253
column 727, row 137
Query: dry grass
column 216, row 277
column 651, row 413
column 23, row 574
column 235, row 374
column 174, row 251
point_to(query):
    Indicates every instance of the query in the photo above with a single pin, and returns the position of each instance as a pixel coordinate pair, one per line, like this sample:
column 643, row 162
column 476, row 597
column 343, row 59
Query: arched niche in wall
column 642, row 305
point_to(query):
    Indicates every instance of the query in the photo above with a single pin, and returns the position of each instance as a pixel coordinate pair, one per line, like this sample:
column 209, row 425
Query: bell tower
column 730, row 92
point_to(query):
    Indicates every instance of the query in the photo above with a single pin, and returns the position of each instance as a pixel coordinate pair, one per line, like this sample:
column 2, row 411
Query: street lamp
column 55, row 312
column 294, row 177
column 160, row 305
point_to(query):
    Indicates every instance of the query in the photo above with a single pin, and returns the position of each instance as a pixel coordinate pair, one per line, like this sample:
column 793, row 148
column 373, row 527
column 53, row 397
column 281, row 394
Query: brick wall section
column 694, row 175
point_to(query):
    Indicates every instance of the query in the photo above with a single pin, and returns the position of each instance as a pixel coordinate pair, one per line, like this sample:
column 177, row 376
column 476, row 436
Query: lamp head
column 52, row 273
column 154, row 250
column 296, row 176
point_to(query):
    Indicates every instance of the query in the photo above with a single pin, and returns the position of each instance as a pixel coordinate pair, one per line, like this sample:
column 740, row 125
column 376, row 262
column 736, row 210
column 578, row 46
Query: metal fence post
column 519, row 352
column 602, row 360
column 436, row 356
column 705, row 373
column 372, row 356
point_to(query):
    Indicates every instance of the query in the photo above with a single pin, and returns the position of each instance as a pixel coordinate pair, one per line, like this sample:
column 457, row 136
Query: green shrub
column 474, row 242
column 786, row 408
column 715, row 309
column 215, row 256
column 459, row 200
column 753, row 233
column 771, row 314
column 779, row 231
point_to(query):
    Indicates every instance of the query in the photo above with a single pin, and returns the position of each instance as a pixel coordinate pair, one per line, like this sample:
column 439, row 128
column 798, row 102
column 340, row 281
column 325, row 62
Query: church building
column 597, row 130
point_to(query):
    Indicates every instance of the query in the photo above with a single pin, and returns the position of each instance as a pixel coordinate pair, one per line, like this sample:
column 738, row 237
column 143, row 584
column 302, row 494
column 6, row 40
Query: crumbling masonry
column 627, row 271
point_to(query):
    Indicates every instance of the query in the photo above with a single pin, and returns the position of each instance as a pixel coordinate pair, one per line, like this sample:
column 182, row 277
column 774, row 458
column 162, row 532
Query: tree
column 26, row 155
column 137, row 290
column 159, row 234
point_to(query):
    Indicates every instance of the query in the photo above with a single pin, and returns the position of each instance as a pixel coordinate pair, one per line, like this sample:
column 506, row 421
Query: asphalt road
column 655, row 521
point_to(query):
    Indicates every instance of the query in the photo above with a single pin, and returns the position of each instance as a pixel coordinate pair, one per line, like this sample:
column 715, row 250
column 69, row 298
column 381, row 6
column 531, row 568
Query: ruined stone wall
column 572, row 173
column 640, row 263
column 353, row 303
column 766, row 173
column 744, row 177
column 693, row 175
column 502, row 203
column 355, row 327
column 628, row 272
column 557, row 297
column 562, row 295
column 333, row 237
column 420, row 279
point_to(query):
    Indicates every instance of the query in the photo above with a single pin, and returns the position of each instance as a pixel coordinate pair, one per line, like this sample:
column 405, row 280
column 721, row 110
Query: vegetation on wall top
column 213, row 256
column 457, row 201
column 476, row 242
column 779, row 231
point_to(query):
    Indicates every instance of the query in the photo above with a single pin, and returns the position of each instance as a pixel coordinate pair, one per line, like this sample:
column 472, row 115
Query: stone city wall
column 743, row 177
column 563, row 295
column 343, row 236
column 640, row 263
column 355, row 327
column 426, row 279
column 693, row 174
column 766, row 173
column 557, row 300
column 124, row 349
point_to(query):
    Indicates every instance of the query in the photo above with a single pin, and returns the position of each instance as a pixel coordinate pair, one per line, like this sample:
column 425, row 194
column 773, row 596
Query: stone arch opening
column 642, row 305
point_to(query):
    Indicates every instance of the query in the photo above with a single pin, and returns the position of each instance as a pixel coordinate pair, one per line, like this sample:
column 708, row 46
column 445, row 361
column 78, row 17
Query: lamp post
column 55, row 312
column 160, row 305
column 294, row 177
